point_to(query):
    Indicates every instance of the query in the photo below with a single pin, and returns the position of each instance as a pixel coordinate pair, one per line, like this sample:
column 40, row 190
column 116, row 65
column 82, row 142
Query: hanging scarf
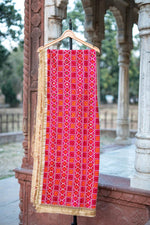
column 67, row 138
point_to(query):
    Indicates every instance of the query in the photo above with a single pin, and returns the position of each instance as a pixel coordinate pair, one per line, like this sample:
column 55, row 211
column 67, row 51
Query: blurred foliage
column 10, row 21
column 134, row 77
column 4, row 53
column 134, row 70
column 11, row 76
column 109, row 68
column 77, row 17
column 11, row 62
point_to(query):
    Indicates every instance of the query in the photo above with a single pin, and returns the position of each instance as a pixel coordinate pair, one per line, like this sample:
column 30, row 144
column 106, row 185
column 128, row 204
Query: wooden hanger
column 69, row 33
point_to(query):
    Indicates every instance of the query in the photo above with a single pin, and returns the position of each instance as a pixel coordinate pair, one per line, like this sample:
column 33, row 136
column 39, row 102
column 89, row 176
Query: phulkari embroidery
column 67, row 137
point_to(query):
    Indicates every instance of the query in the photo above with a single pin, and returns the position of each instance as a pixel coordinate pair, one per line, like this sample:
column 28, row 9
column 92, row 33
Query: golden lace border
column 42, row 208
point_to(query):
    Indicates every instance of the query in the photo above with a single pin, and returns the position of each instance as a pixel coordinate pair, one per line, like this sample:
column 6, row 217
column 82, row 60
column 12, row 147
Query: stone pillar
column 141, row 178
column 55, row 12
column 122, row 131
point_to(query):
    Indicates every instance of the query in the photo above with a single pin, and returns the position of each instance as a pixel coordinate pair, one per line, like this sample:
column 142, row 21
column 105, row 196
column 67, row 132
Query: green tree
column 109, row 69
column 10, row 26
column 4, row 53
column 10, row 21
column 77, row 17
column 109, row 59
column 11, row 76
column 11, row 63
column 134, row 70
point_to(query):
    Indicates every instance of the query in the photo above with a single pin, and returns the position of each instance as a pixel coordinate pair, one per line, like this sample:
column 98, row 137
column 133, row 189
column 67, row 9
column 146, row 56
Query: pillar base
column 141, row 181
column 123, row 141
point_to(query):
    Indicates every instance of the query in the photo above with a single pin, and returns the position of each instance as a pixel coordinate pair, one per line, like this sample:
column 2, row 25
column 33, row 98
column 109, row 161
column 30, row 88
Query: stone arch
column 94, row 21
column 120, row 23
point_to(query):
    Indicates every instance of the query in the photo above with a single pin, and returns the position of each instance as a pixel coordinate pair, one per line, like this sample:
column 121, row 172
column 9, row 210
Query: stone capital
column 142, row 2
column 55, row 12
column 124, row 47
column 61, row 3
column 144, row 17
column 93, row 38
column 124, row 53
column 55, row 9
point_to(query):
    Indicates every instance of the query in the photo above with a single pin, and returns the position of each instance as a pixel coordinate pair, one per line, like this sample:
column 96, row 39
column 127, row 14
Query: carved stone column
column 123, row 96
column 55, row 12
column 142, row 160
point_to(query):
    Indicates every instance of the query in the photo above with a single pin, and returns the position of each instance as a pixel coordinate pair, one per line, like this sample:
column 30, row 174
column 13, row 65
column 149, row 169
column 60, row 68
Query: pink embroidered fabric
column 71, row 167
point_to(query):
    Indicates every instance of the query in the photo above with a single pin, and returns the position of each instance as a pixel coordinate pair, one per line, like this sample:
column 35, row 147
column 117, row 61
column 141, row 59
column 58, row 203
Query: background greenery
column 11, row 60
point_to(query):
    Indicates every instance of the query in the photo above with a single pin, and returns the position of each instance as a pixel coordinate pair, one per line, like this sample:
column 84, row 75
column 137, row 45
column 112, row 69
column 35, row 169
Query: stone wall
column 10, row 137
column 117, row 204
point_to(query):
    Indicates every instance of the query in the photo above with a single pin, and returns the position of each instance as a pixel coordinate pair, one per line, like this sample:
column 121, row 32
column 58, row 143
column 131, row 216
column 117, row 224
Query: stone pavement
column 9, row 201
column 114, row 160
column 118, row 160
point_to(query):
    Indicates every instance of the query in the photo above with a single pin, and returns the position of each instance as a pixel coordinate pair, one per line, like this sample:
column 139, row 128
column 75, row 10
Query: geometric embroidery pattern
column 72, row 142
column 72, row 132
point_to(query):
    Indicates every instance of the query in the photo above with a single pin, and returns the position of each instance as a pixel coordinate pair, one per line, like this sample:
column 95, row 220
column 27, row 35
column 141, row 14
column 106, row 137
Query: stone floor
column 118, row 160
column 114, row 160
column 9, row 201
